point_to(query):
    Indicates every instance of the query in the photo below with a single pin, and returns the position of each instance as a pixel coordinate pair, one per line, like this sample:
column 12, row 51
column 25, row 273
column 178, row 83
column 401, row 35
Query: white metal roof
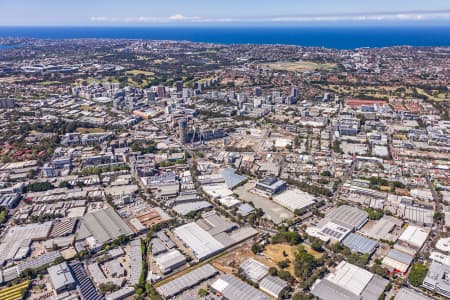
column 350, row 277
column 199, row 240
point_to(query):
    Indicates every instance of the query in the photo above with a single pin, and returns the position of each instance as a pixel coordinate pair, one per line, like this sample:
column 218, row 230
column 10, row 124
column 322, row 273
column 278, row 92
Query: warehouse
column 409, row 294
column 104, row 225
column 135, row 261
column 254, row 270
column 349, row 282
column 414, row 236
column 16, row 242
column 384, row 229
column 232, row 288
column 169, row 261
column 349, row 216
column 202, row 243
column 217, row 191
column 360, row 244
column 185, row 208
column 121, row 294
column 9, row 200
column 232, row 179
column 64, row 227
column 334, row 231
column 397, row 261
column 274, row 286
column 61, row 278
column 186, row 281
column 295, row 200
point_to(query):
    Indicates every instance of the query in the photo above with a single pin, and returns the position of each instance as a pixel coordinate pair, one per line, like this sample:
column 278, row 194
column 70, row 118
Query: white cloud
column 381, row 16
column 180, row 17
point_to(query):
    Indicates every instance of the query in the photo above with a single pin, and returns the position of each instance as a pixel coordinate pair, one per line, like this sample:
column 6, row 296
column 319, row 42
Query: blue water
column 330, row 37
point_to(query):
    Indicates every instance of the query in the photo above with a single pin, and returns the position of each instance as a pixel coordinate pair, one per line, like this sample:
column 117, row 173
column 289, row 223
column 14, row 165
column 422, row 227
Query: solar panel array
column 85, row 286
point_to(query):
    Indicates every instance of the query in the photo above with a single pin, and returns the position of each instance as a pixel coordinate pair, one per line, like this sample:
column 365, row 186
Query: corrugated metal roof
column 400, row 256
column 360, row 244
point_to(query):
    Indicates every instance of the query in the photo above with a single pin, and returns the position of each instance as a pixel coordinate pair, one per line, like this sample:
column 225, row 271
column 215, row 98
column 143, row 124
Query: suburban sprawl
column 134, row 169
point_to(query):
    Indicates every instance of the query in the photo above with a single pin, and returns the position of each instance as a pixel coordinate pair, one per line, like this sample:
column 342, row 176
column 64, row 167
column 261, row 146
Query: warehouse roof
column 199, row 240
column 61, row 276
column 327, row 290
column 273, row 285
column 231, row 178
column 186, row 281
column 254, row 270
column 360, row 244
column 232, row 288
column 169, row 260
column 374, row 288
column 351, row 283
column 400, row 256
column 185, row 208
column 349, row 216
column 350, row 277
column 294, row 199
column 415, row 236
column 104, row 225
column 409, row 294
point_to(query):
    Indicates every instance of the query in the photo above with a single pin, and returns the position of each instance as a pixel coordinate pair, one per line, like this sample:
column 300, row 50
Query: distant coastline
column 329, row 37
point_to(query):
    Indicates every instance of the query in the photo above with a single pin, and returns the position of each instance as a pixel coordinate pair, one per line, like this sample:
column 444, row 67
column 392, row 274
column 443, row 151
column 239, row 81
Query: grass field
column 48, row 83
column 276, row 253
column 89, row 130
column 138, row 72
column 300, row 66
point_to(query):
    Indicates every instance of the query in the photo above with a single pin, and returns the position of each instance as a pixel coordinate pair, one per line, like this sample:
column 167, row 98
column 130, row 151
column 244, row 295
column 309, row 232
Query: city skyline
column 204, row 13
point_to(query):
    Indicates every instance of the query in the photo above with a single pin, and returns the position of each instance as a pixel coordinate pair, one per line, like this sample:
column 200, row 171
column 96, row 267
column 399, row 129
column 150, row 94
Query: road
column 436, row 200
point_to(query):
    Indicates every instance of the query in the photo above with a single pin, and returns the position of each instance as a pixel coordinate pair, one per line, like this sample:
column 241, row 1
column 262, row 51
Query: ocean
column 329, row 37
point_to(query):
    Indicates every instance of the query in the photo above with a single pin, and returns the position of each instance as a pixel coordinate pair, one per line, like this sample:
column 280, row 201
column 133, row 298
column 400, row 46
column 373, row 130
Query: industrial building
column 232, row 288
column 169, row 261
column 384, row 228
column 437, row 279
column 409, row 294
column 295, row 199
column 360, row 244
column 211, row 234
column 121, row 294
column 61, row 278
column 84, row 284
column 271, row 185
column 349, row 282
column 348, row 216
column 17, row 240
column 186, row 281
column 254, row 270
column 202, row 243
column 231, row 178
column 274, row 286
column 397, row 261
column 135, row 261
column 103, row 225
column 414, row 236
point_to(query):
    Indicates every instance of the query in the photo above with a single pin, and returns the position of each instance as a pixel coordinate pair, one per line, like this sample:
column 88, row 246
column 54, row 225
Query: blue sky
column 223, row 12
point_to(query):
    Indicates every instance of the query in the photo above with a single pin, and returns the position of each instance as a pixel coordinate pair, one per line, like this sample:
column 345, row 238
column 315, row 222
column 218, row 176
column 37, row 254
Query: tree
column 302, row 296
column 417, row 274
column 257, row 248
column 203, row 292
column 374, row 214
column 316, row 245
